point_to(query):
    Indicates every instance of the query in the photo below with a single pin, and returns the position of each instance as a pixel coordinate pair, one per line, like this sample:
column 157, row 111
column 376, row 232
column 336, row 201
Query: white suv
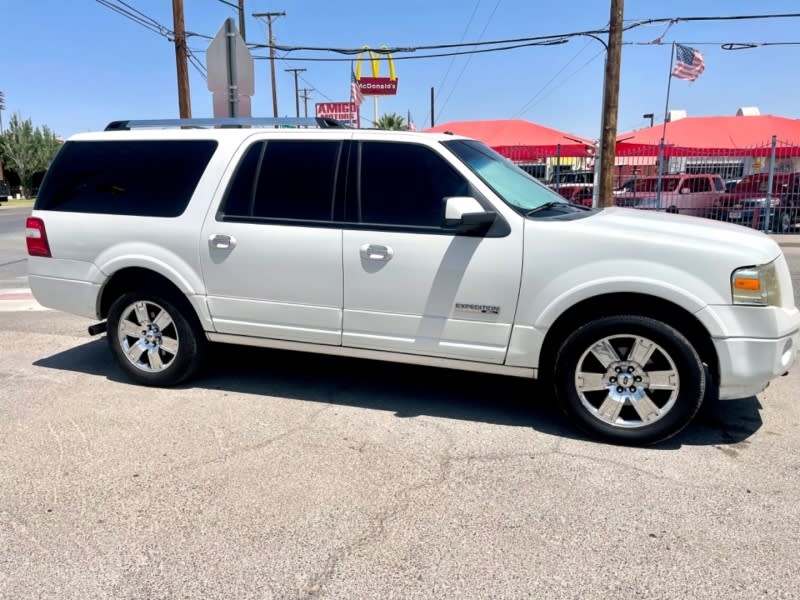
column 420, row 248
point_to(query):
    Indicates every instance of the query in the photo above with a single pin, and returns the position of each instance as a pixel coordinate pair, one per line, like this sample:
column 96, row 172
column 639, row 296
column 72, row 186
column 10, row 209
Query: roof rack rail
column 223, row 123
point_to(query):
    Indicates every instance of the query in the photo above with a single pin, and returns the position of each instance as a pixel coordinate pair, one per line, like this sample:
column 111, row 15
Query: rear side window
column 138, row 178
column 291, row 180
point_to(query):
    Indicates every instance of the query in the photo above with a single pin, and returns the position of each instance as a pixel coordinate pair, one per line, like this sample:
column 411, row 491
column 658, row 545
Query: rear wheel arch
column 138, row 278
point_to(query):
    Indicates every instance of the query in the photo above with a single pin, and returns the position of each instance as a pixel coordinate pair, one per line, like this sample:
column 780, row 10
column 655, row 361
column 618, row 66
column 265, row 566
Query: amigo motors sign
column 376, row 85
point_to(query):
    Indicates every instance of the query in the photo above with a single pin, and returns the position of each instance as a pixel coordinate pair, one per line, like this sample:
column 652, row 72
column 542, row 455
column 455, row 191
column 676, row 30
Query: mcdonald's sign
column 376, row 85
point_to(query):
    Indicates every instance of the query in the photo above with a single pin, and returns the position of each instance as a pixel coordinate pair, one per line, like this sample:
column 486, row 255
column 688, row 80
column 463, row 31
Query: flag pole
column 664, row 130
column 352, row 96
column 669, row 85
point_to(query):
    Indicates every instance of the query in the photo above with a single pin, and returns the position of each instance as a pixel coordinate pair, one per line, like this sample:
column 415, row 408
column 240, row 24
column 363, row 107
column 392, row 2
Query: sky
column 75, row 65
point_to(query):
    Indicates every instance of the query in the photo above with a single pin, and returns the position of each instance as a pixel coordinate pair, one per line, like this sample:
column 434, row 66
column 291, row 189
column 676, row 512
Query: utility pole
column 241, row 20
column 305, row 99
column 270, row 16
column 432, row 123
column 181, row 60
column 608, row 134
column 296, row 89
column 2, row 108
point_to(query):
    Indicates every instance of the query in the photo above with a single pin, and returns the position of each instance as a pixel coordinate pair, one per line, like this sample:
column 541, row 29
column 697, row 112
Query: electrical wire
column 554, row 42
column 632, row 25
column 463, row 35
column 231, row 4
column 553, row 78
column 468, row 61
column 567, row 78
column 144, row 21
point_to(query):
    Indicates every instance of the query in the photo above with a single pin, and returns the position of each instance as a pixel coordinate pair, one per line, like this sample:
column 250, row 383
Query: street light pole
column 270, row 16
column 649, row 116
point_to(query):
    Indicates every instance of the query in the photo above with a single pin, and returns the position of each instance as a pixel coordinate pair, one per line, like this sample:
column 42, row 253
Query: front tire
column 154, row 338
column 629, row 379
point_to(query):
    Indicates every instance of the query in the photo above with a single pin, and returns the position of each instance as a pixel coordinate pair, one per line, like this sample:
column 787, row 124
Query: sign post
column 231, row 78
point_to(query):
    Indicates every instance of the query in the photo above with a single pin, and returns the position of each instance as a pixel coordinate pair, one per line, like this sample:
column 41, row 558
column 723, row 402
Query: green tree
column 27, row 150
column 391, row 121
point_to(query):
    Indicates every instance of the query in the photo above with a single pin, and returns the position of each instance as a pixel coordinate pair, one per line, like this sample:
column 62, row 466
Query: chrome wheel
column 148, row 336
column 627, row 381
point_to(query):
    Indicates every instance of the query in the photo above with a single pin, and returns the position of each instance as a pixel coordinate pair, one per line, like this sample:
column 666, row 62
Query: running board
column 411, row 359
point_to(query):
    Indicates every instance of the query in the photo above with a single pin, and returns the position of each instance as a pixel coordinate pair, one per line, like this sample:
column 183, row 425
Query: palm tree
column 391, row 121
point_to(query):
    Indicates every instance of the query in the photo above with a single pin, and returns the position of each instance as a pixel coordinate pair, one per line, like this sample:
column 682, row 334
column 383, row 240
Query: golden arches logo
column 376, row 85
column 376, row 63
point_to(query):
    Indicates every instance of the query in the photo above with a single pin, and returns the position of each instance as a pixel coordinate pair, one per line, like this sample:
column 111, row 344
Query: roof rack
column 226, row 123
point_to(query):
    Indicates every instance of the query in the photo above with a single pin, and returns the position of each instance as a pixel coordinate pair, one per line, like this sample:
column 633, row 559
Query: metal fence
column 757, row 187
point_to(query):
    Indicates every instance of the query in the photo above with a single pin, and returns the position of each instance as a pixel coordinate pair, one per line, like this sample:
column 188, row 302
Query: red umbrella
column 704, row 136
column 520, row 139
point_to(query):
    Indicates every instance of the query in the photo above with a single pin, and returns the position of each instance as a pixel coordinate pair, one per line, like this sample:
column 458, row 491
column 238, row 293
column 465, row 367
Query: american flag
column 355, row 90
column 689, row 63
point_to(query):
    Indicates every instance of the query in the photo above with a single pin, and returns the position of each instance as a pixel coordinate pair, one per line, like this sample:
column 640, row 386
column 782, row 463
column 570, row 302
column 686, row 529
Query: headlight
column 756, row 285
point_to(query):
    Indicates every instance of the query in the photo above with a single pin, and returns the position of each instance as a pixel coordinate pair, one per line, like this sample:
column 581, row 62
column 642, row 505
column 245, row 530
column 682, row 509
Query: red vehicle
column 686, row 193
column 575, row 186
column 746, row 204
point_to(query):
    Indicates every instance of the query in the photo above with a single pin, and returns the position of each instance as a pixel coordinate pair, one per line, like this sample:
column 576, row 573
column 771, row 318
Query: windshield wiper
column 545, row 206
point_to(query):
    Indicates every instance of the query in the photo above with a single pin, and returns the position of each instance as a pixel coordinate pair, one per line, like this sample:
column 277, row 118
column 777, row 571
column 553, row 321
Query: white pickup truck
column 419, row 248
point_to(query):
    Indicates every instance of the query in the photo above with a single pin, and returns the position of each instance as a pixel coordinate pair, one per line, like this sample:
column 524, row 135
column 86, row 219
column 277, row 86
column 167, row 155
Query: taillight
column 36, row 237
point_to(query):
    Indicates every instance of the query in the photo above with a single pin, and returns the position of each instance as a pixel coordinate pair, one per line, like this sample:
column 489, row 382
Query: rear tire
column 155, row 337
column 629, row 379
column 782, row 222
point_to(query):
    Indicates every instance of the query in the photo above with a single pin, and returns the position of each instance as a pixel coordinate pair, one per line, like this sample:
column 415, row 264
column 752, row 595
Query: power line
column 632, row 25
column 553, row 42
column 231, row 4
column 565, row 80
column 544, row 87
column 468, row 61
column 440, row 87
column 132, row 15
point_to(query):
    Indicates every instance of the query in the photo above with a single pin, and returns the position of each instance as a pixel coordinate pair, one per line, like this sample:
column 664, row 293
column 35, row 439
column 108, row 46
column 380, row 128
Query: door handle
column 221, row 242
column 376, row 252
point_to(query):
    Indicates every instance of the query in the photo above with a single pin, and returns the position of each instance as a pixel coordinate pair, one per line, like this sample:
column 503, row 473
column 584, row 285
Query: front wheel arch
column 626, row 303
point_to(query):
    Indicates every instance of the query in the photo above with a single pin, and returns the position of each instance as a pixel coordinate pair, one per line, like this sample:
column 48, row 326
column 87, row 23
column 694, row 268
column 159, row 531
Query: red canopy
column 520, row 139
column 704, row 136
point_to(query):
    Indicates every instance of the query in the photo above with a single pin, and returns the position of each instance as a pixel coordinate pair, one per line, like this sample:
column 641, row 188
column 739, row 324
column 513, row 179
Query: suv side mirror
column 685, row 190
column 464, row 213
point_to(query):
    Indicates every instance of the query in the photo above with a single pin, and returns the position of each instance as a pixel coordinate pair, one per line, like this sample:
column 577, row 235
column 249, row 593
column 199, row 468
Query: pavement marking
column 20, row 299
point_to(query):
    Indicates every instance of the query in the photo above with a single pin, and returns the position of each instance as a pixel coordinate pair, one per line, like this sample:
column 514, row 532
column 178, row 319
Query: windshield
column 507, row 180
column 668, row 184
column 568, row 177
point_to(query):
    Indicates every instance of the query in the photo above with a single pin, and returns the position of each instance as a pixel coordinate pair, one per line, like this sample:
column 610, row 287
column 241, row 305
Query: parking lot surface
column 287, row 475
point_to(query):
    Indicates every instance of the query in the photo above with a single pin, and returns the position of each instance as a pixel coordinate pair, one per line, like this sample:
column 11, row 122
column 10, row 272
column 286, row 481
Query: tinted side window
column 404, row 184
column 697, row 184
column 286, row 179
column 141, row 178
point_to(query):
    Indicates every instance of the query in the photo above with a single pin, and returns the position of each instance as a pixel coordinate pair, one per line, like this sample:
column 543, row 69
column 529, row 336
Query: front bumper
column 747, row 365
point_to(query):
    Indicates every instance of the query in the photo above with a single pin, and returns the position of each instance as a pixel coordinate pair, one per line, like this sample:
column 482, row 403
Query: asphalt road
column 13, row 255
column 287, row 475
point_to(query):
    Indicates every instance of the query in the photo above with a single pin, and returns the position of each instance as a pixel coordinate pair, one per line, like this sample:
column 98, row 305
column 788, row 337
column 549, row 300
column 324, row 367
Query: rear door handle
column 221, row 241
column 376, row 252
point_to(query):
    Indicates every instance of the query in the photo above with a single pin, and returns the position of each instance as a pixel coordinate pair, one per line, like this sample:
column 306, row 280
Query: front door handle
column 376, row 252
column 221, row 242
